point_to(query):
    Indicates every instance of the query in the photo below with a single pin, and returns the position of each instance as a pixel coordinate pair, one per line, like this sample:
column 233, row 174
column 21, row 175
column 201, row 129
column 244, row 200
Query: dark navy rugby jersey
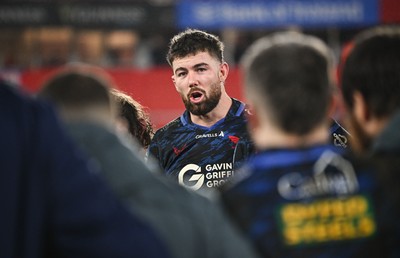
column 203, row 157
column 305, row 203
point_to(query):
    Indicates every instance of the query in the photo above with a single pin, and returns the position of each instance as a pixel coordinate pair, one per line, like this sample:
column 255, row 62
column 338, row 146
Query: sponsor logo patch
column 211, row 175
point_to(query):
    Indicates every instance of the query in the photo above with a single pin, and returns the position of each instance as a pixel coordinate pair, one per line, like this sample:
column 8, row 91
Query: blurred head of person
column 370, row 83
column 81, row 93
column 289, row 89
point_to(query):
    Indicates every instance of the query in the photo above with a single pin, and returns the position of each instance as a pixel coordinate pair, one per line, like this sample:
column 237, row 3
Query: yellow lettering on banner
column 326, row 220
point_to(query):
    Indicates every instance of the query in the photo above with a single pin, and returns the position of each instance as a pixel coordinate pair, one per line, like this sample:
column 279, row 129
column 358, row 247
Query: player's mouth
column 196, row 96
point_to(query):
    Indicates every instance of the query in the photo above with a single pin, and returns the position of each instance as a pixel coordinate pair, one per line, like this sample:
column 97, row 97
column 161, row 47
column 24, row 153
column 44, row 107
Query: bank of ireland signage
column 258, row 14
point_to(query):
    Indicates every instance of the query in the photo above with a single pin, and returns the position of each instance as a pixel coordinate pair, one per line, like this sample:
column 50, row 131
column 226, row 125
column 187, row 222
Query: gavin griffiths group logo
column 197, row 177
column 211, row 175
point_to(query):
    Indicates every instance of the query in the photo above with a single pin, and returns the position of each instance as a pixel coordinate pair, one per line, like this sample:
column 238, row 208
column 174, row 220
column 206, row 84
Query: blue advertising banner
column 276, row 13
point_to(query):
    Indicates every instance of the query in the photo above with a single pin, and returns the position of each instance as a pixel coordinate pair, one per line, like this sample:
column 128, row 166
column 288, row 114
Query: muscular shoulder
column 168, row 128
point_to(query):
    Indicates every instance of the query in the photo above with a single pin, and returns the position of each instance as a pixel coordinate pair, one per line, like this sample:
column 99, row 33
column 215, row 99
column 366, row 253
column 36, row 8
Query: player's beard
column 208, row 104
column 360, row 142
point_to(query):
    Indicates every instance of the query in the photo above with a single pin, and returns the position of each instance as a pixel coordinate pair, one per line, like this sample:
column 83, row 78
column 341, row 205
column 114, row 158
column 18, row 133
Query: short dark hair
column 75, row 90
column 139, row 123
column 191, row 42
column 373, row 68
column 290, row 72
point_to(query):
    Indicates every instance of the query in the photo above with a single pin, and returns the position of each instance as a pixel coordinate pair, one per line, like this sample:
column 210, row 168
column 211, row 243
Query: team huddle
column 283, row 164
column 278, row 174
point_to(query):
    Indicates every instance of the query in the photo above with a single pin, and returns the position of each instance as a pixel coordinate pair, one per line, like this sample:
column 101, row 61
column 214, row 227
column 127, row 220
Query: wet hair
column 191, row 42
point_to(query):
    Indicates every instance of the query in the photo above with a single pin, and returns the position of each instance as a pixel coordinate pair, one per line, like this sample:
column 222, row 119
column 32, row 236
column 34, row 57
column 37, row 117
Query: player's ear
column 252, row 117
column 371, row 124
column 223, row 72
column 173, row 80
column 360, row 108
column 332, row 106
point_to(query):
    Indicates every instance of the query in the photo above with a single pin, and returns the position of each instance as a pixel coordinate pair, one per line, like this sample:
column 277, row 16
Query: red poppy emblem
column 234, row 139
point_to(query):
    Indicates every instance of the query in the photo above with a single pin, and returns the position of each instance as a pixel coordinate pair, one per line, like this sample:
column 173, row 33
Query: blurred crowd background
column 130, row 37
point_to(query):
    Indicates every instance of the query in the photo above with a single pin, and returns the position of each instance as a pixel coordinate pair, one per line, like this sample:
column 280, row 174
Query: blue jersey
column 203, row 157
column 306, row 203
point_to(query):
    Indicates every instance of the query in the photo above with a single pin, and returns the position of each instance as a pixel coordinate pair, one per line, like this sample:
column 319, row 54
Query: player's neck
column 278, row 139
column 216, row 114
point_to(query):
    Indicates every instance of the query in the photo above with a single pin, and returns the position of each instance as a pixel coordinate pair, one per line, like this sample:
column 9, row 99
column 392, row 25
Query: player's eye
column 180, row 74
